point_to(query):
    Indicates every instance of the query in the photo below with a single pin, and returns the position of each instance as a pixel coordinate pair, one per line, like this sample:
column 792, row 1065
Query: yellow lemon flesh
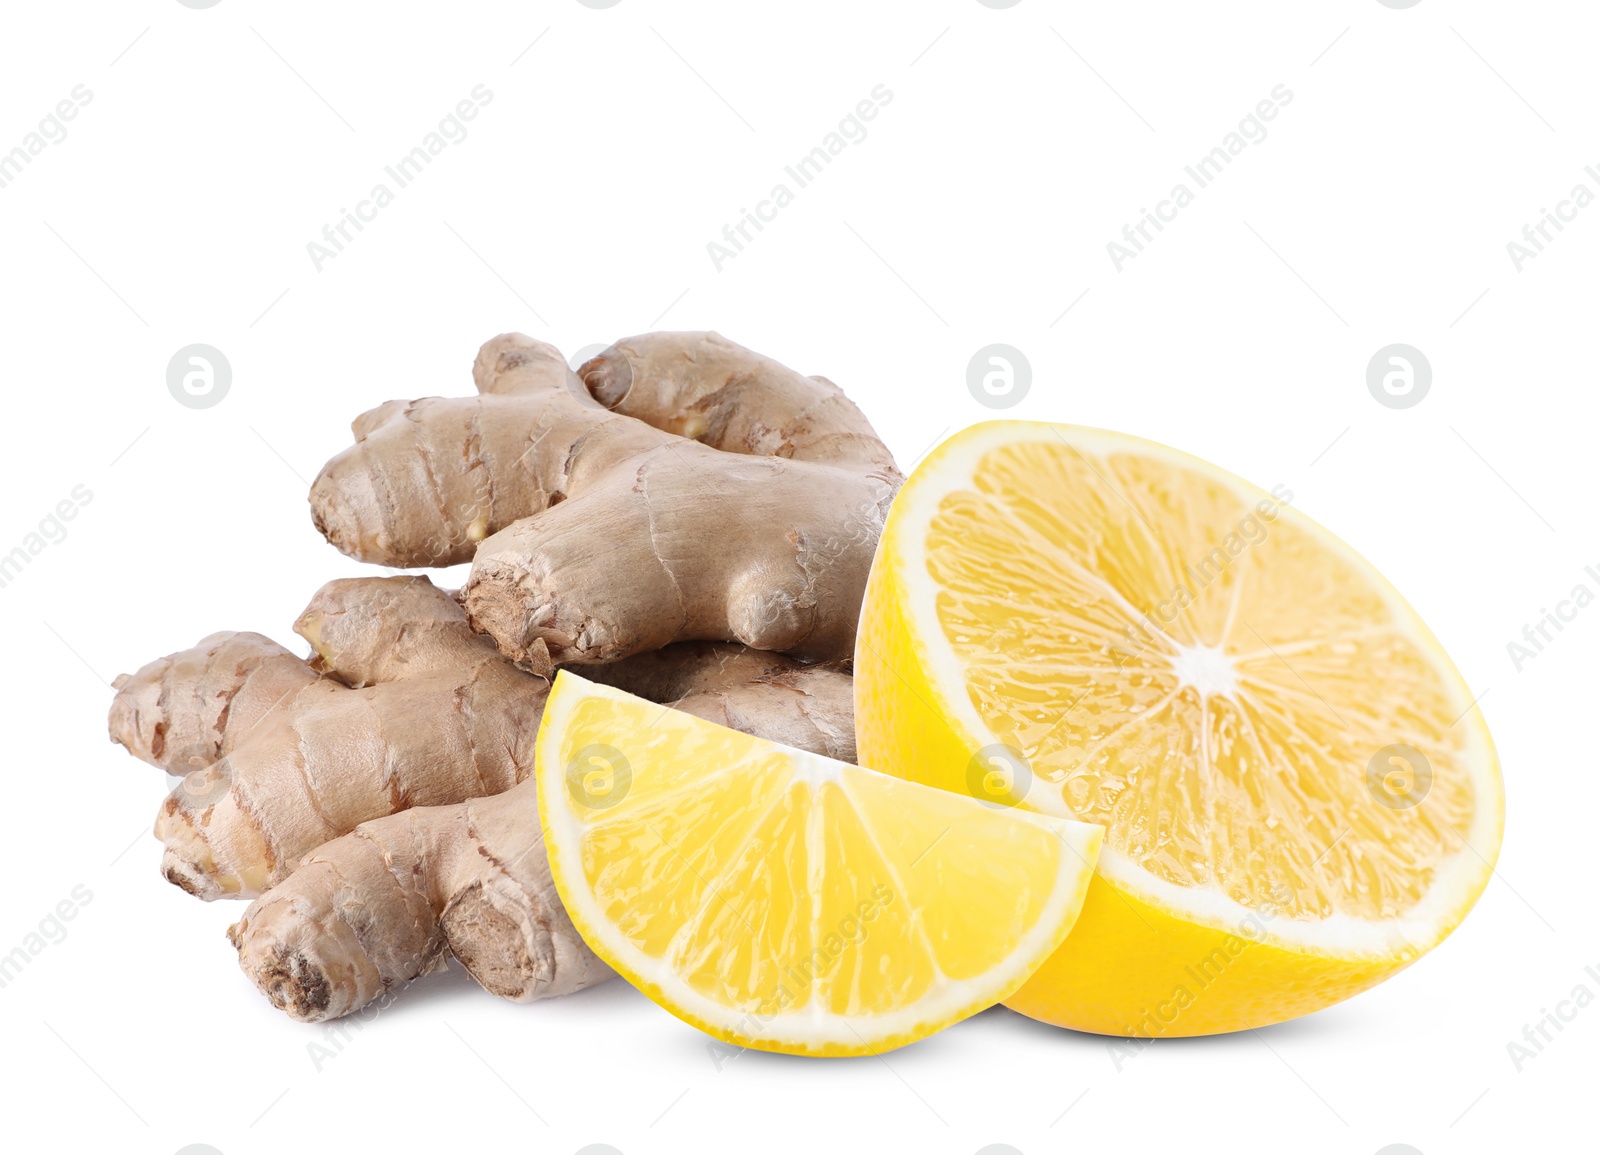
column 781, row 900
column 1298, row 797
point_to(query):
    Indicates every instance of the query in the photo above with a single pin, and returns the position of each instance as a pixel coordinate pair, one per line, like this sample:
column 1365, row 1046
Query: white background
column 977, row 210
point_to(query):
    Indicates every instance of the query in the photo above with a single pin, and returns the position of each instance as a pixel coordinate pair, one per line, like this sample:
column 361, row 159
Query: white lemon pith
column 1286, row 763
column 781, row 900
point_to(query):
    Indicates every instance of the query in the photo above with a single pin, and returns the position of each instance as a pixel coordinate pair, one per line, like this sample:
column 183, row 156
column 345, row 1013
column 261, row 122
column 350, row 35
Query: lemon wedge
column 780, row 900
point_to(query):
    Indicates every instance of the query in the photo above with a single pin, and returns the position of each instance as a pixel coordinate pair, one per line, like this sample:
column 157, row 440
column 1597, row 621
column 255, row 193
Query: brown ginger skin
column 185, row 711
column 716, row 495
column 770, row 695
column 405, row 706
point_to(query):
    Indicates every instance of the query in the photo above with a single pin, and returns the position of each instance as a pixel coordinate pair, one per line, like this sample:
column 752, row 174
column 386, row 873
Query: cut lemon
column 781, row 900
column 1298, row 797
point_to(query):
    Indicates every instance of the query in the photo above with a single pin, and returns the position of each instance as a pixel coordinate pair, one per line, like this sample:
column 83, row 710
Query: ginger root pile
column 686, row 519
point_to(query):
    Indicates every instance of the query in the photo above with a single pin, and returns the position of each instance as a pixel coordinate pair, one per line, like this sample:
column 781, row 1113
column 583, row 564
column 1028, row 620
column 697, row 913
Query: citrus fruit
column 1298, row 797
column 781, row 900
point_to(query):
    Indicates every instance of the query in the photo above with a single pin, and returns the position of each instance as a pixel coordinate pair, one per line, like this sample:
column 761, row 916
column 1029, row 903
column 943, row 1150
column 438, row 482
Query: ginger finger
column 331, row 758
column 427, row 480
column 370, row 630
column 705, row 387
column 457, row 721
column 385, row 904
column 184, row 711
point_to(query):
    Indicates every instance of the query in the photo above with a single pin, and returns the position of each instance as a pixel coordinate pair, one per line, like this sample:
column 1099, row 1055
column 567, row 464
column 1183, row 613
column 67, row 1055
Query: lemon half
column 1298, row 797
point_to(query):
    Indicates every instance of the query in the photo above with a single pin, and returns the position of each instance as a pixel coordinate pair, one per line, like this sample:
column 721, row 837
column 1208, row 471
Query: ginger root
column 693, row 520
